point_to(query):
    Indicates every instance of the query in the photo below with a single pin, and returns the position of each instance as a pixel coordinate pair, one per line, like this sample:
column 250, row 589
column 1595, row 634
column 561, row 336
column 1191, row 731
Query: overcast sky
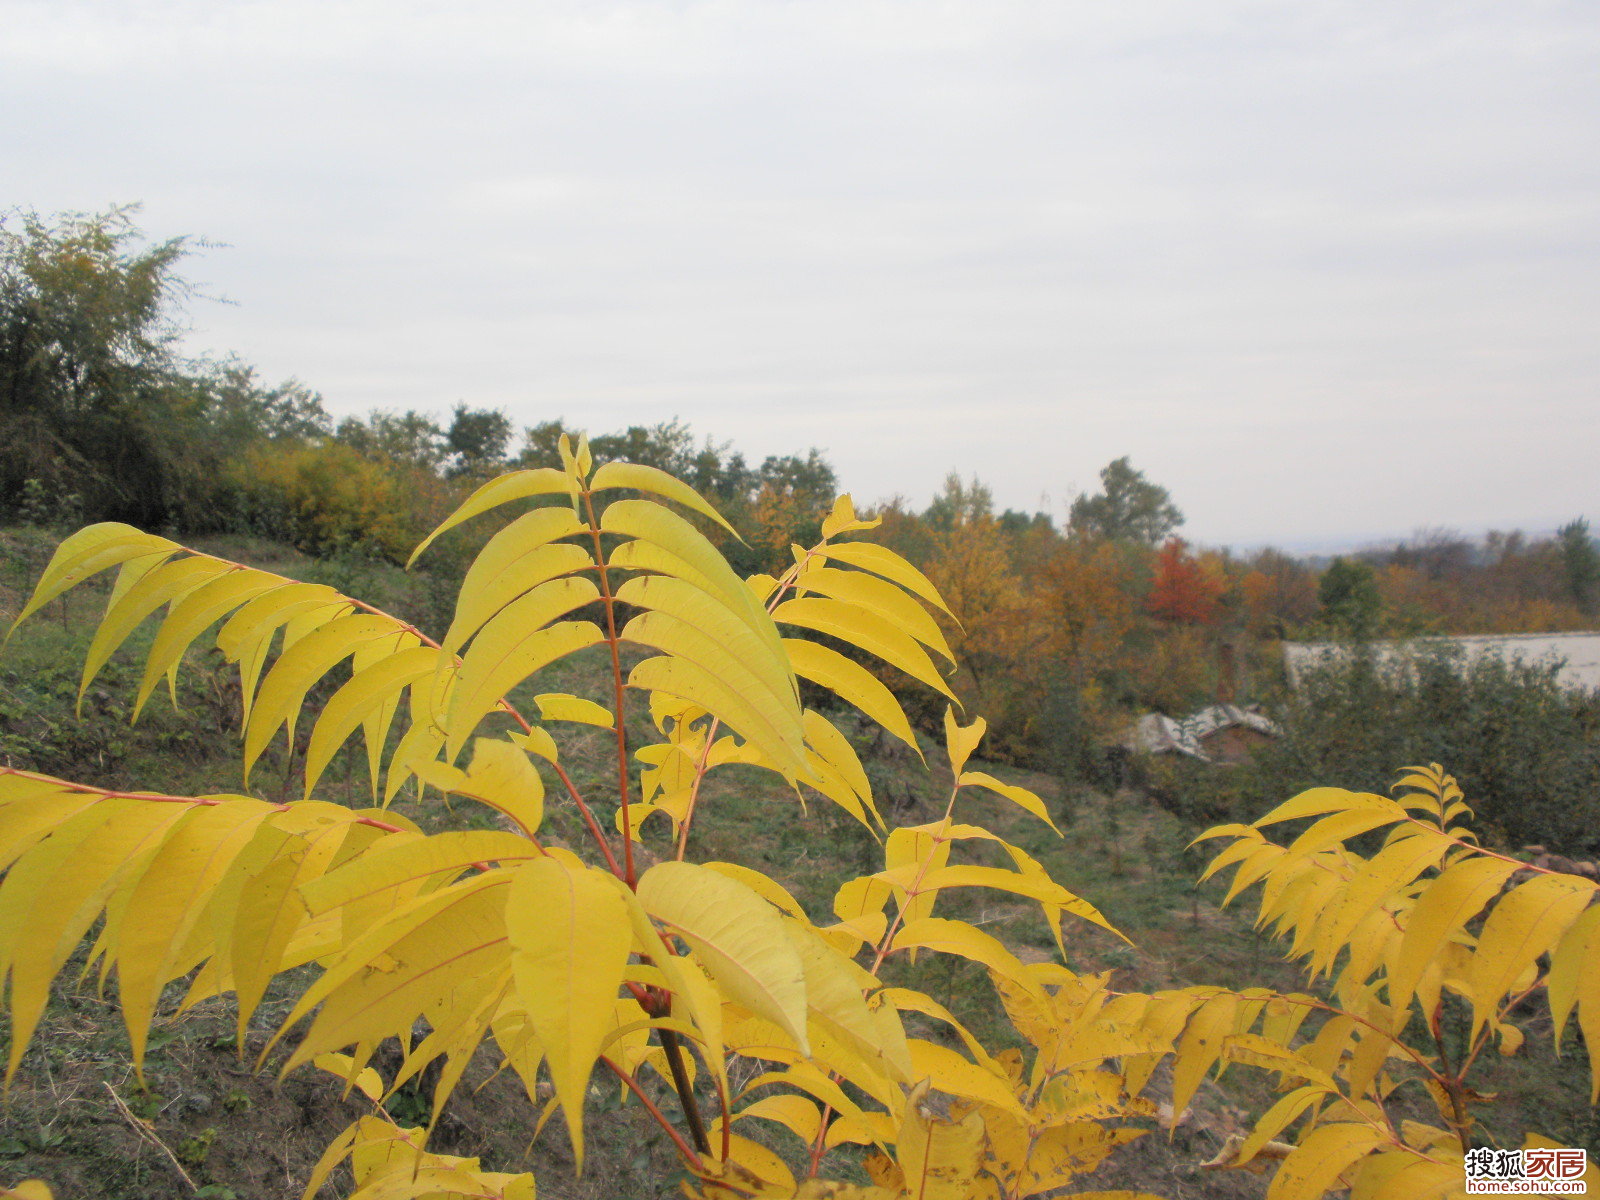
column 1324, row 270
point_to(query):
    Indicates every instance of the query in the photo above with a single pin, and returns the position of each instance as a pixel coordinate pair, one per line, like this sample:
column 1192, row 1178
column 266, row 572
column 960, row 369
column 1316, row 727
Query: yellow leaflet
column 1065, row 1151
column 448, row 941
column 365, row 692
column 868, row 592
column 938, row 1156
column 880, row 560
column 652, row 523
column 505, row 654
column 834, row 989
column 843, row 519
column 570, row 939
column 1275, row 1120
column 52, row 895
column 155, row 588
column 1570, row 967
column 867, row 631
column 715, row 640
column 1316, row 801
column 515, row 560
column 166, row 900
column 693, row 994
column 1385, row 874
column 800, row 1116
column 764, row 886
column 501, row 776
column 1200, row 1047
column 947, row 1071
column 538, row 741
column 1327, row 1152
column 398, row 863
column 640, row 555
column 642, row 478
column 298, row 670
column 852, row 683
column 1036, row 887
column 957, row 937
column 687, row 680
column 960, row 741
column 1527, row 922
column 518, row 485
column 736, row 936
column 863, row 897
column 921, row 850
column 906, row 1000
column 1262, row 1052
column 31, row 811
column 556, row 706
column 1020, row 796
column 86, row 553
column 194, row 614
column 1340, row 828
column 368, row 1082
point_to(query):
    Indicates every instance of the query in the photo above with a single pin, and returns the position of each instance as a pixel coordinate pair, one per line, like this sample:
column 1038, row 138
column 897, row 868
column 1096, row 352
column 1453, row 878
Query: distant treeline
column 1062, row 631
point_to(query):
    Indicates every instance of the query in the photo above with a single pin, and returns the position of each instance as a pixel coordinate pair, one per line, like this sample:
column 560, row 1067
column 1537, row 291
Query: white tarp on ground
column 1155, row 733
column 1578, row 653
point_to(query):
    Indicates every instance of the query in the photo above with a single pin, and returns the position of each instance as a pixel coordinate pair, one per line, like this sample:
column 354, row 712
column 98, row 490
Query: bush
column 1526, row 748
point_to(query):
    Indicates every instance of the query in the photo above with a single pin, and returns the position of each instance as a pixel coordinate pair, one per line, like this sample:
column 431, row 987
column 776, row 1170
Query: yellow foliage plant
column 667, row 976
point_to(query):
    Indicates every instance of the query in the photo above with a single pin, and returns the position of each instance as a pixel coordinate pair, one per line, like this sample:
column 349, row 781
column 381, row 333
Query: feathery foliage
column 663, row 976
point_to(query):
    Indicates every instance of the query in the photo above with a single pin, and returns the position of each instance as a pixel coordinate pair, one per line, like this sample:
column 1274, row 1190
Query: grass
column 78, row 1116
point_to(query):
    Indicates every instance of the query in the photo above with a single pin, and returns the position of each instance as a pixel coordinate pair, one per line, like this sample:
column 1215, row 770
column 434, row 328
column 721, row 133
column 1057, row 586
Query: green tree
column 477, row 441
column 1127, row 508
column 412, row 438
column 86, row 350
column 1580, row 563
column 1348, row 594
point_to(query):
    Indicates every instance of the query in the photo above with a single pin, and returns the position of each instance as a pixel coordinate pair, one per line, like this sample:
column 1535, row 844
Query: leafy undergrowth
column 204, row 1123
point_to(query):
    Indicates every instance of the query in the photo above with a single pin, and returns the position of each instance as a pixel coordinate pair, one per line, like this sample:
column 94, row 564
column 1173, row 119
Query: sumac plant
column 585, row 964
